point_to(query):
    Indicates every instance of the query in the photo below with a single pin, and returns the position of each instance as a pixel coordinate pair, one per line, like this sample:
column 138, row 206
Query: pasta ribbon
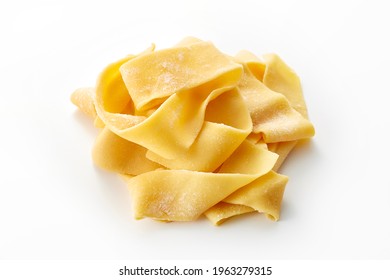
column 182, row 195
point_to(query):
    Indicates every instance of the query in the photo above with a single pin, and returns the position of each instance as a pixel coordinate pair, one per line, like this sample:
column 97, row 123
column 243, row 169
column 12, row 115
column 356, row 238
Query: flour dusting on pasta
column 195, row 132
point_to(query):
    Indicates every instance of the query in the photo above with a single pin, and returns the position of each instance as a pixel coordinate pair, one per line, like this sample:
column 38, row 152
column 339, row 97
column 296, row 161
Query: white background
column 54, row 204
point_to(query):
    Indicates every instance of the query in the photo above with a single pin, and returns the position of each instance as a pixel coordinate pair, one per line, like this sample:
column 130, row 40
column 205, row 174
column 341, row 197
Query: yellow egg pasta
column 195, row 132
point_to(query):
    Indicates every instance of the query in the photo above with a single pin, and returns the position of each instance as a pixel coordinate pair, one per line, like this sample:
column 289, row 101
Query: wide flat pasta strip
column 151, row 78
column 279, row 77
column 271, row 112
column 181, row 195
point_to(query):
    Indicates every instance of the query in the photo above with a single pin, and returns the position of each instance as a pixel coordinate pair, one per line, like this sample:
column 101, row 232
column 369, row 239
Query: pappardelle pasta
column 194, row 132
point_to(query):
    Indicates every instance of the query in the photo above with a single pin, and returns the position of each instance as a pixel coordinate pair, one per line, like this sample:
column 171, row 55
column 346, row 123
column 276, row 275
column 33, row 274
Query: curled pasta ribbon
column 193, row 131
column 153, row 77
column 182, row 195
